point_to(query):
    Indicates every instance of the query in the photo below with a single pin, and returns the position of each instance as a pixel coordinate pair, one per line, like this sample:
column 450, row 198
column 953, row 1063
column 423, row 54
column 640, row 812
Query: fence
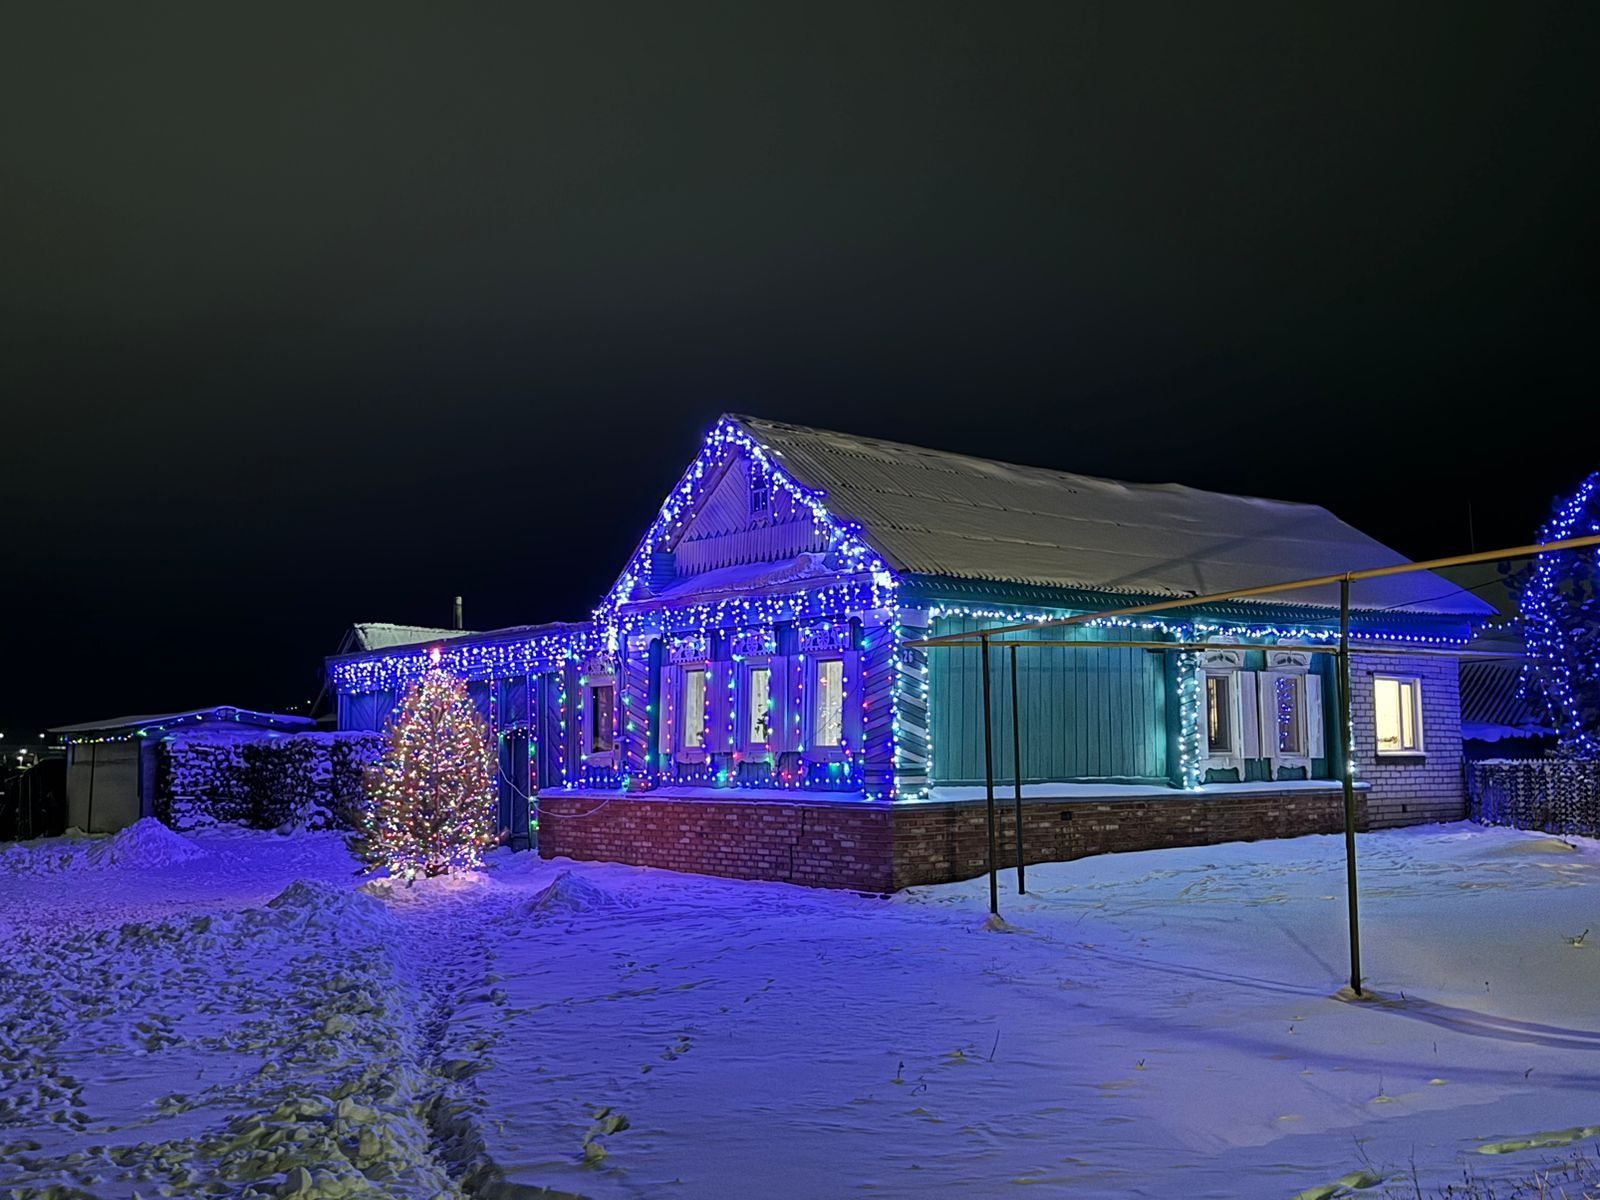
column 1557, row 795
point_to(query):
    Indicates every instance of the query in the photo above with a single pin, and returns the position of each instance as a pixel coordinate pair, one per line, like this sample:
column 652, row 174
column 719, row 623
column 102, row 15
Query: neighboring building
column 745, row 701
column 112, row 765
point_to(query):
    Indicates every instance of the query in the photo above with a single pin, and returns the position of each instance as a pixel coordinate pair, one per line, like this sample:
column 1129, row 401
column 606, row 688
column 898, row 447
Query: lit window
column 1219, row 714
column 759, row 729
column 1398, row 705
column 827, row 727
column 601, row 731
column 694, row 708
column 1287, row 704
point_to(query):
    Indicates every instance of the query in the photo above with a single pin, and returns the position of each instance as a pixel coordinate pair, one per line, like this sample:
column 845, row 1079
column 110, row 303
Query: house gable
column 737, row 507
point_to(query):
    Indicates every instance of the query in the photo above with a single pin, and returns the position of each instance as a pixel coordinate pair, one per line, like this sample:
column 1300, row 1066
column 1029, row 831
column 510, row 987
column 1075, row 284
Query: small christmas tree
column 430, row 800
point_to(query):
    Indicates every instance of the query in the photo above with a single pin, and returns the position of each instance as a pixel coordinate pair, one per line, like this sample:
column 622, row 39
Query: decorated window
column 758, row 706
column 602, row 730
column 1397, row 704
column 760, row 498
column 827, row 713
column 693, row 721
column 1288, row 713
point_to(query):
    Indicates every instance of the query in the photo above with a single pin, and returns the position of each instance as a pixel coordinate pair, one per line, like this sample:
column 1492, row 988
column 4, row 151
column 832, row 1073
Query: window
column 694, row 708
column 601, row 729
column 1219, row 714
column 1288, row 712
column 758, row 718
column 1397, row 704
column 760, row 497
column 827, row 725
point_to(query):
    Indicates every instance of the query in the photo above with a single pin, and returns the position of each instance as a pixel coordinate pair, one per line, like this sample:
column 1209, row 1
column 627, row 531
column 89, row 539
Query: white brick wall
column 1413, row 789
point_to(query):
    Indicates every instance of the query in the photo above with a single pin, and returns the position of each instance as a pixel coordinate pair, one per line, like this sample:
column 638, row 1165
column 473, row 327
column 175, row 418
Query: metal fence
column 1557, row 795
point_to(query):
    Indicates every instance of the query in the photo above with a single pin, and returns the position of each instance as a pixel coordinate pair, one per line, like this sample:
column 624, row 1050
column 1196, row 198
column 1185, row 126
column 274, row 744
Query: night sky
column 318, row 314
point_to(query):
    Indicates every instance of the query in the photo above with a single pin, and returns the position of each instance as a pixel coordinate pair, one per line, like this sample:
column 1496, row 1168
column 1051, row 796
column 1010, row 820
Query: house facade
column 748, row 700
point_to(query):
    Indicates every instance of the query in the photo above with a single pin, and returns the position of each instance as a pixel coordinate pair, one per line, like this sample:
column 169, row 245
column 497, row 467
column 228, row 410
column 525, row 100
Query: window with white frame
column 1287, row 710
column 758, row 706
column 827, row 710
column 693, row 712
column 1397, row 705
column 1222, row 735
column 602, row 728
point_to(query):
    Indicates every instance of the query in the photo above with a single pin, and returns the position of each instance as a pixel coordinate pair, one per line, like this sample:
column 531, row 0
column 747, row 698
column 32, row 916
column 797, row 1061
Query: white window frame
column 1223, row 664
column 1420, row 749
column 588, row 724
column 813, row 677
column 747, row 669
column 682, row 751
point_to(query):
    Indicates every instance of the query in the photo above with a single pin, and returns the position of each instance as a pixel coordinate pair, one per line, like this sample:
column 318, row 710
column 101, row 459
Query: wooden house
column 746, row 699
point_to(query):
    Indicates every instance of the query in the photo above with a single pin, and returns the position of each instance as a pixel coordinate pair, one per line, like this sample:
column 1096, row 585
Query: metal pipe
column 988, row 782
column 1349, row 784
column 1268, row 589
column 1016, row 769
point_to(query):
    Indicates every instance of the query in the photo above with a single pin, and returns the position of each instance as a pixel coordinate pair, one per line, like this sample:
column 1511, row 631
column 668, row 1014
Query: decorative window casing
column 1222, row 731
column 1291, row 711
column 1397, row 713
column 597, row 716
column 1273, row 715
column 831, row 710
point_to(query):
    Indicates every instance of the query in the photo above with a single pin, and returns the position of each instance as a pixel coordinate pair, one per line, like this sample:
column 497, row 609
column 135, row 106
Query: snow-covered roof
column 219, row 713
column 932, row 512
column 380, row 635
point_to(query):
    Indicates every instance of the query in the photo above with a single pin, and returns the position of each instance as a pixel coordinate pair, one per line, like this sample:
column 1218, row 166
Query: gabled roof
column 931, row 512
column 219, row 715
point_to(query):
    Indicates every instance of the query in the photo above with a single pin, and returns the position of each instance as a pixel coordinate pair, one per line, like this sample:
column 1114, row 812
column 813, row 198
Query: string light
column 1560, row 610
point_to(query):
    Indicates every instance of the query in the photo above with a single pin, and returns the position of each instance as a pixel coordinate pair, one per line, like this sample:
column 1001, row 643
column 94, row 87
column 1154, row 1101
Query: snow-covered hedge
column 1557, row 795
column 310, row 780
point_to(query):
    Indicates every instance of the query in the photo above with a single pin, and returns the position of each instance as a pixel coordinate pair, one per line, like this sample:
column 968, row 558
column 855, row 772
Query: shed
column 111, row 764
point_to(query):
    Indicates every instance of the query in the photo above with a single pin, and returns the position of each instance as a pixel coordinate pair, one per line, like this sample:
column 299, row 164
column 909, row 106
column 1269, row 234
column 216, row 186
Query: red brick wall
column 881, row 847
column 824, row 845
column 1411, row 789
column 938, row 842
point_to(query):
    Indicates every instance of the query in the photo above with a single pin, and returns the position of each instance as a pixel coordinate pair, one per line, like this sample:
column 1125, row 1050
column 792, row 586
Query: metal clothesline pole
column 1347, row 771
column 988, row 782
column 1016, row 769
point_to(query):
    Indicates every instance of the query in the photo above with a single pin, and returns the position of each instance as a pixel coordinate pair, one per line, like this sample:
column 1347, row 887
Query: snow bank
column 144, row 844
column 567, row 894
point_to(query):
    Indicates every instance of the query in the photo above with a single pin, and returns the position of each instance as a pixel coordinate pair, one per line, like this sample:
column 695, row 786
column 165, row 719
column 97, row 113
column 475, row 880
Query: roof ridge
column 746, row 420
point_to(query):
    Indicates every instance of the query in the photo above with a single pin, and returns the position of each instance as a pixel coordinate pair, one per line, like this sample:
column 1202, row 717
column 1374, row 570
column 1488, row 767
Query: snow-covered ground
column 182, row 1017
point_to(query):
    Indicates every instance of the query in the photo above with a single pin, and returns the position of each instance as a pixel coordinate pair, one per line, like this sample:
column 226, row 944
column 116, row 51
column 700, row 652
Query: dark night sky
column 310, row 315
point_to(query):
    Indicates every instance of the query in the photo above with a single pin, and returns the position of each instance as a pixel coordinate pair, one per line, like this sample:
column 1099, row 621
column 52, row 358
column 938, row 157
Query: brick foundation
column 877, row 847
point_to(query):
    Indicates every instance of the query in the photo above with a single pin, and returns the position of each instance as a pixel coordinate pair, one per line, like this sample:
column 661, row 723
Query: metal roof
column 220, row 714
column 933, row 512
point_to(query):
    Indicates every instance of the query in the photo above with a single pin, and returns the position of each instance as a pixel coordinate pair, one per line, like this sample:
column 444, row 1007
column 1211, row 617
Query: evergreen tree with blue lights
column 1559, row 598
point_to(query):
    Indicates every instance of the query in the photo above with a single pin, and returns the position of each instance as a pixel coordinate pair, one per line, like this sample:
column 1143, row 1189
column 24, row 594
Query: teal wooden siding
column 1086, row 714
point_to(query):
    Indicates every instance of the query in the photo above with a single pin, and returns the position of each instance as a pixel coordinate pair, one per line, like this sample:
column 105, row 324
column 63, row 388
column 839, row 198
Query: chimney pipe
column 456, row 616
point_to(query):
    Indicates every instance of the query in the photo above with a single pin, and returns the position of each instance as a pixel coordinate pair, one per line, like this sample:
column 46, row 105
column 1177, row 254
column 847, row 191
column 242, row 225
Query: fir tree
column 1559, row 598
column 430, row 799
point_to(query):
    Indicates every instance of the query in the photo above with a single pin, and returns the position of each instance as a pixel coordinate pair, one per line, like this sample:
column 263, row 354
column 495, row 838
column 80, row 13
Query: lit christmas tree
column 430, row 803
column 1559, row 595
